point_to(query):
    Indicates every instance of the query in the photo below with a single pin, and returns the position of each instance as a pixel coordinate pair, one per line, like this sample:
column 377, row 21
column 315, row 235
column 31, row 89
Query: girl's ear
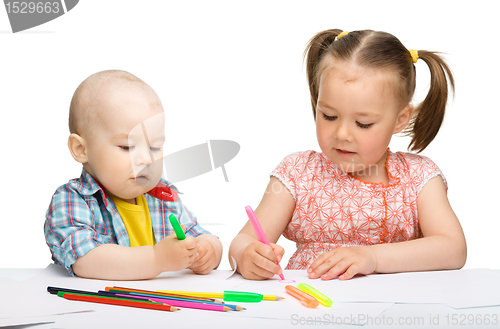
column 404, row 118
column 78, row 148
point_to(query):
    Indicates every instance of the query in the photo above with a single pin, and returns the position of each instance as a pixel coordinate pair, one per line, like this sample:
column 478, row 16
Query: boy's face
column 125, row 149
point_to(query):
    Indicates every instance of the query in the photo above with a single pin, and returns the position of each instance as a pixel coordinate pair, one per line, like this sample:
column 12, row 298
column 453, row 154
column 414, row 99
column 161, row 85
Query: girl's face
column 356, row 116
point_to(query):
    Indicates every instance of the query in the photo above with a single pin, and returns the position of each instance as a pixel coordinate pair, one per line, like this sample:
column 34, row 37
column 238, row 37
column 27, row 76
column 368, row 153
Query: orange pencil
column 120, row 302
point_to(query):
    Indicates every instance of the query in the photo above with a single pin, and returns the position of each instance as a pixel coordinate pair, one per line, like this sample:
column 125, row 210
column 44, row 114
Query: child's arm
column 209, row 254
column 115, row 262
column 442, row 247
column 254, row 259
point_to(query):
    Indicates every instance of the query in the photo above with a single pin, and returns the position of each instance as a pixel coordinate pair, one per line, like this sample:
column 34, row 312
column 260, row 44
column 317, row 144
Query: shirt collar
column 87, row 185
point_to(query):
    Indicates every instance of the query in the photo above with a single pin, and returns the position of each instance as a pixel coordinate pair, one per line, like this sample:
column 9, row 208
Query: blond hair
column 383, row 51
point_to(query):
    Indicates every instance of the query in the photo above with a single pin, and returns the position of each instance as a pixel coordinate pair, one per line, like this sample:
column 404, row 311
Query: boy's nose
column 143, row 156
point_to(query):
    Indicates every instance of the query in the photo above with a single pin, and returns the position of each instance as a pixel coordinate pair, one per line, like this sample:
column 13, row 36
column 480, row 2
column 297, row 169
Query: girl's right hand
column 259, row 261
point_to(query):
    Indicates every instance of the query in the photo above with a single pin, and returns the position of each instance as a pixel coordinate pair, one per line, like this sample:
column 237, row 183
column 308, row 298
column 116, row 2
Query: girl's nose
column 343, row 132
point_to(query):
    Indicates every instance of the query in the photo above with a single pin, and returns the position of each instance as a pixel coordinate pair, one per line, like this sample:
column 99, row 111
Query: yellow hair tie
column 342, row 34
column 414, row 55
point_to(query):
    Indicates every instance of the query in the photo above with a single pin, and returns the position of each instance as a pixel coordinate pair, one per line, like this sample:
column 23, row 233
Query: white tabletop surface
column 443, row 299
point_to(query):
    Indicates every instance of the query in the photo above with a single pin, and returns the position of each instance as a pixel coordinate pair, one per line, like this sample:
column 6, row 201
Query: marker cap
column 244, row 297
column 177, row 227
column 306, row 299
column 316, row 294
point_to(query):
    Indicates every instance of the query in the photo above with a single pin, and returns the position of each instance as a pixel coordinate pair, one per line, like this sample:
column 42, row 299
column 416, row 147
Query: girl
column 357, row 207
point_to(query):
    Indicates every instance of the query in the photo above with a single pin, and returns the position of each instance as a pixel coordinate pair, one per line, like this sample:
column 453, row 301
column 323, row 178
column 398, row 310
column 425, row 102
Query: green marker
column 177, row 227
column 228, row 296
column 240, row 296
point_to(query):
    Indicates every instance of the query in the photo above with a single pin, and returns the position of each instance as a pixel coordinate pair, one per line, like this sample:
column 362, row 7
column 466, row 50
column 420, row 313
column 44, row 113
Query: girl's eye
column 155, row 149
column 329, row 118
column 364, row 125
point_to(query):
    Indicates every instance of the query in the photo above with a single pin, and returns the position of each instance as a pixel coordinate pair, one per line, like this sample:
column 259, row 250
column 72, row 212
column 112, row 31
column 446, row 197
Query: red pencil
column 110, row 301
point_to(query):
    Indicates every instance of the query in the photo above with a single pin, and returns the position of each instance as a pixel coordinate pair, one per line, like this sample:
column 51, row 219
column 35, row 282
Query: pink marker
column 258, row 230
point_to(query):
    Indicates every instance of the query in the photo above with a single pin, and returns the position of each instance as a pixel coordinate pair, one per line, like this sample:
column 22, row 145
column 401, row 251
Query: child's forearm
column 115, row 262
column 216, row 244
column 436, row 252
column 237, row 247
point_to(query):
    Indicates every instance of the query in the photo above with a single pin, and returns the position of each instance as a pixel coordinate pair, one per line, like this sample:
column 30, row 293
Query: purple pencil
column 171, row 302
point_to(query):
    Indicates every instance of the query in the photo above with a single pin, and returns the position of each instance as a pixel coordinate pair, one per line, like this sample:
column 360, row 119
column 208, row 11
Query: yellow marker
column 218, row 295
column 316, row 294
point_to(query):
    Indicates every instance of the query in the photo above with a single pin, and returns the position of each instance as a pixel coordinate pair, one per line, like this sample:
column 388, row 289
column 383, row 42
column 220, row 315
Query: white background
column 233, row 70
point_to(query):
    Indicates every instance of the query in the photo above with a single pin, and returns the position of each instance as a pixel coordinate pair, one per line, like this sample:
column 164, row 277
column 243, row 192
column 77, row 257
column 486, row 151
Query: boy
column 111, row 223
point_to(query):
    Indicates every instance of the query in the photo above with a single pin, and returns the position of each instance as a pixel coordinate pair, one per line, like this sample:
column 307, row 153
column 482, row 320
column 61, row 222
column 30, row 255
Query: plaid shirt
column 81, row 217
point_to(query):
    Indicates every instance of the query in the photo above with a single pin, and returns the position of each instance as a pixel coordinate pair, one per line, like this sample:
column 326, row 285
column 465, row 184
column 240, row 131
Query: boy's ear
column 404, row 118
column 78, row 148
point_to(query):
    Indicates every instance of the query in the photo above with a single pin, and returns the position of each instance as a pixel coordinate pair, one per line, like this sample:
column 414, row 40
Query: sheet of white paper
column 470, row 288
column 355, row 300
column 21, row 299
column 235, row 265
column 460, row 289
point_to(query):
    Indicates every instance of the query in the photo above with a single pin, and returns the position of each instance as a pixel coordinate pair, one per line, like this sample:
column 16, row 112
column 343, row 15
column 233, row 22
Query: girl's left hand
column 344, row 262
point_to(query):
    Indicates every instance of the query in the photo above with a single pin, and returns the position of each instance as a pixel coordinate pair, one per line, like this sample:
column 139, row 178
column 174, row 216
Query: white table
column 444, row 299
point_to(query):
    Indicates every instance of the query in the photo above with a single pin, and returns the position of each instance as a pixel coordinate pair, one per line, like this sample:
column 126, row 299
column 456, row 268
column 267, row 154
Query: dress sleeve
column 423, row 170
column 291, row 170
column 69, row 230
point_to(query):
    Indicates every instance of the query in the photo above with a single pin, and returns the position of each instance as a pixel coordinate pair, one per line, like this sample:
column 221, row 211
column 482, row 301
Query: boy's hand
column 174, row 255
column 206, row 259
column 344, row 262
column 259, row 261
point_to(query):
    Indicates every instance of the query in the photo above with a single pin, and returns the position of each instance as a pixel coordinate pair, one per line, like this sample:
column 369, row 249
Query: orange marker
column 306, row 299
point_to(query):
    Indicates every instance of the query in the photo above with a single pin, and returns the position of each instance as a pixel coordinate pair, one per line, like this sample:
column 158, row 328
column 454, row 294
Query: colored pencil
column 157, row 293
column 219, row 295
column 55, row 290
column 174, row 297
column 199, row 306
column 61, row 293
column 141, row 295
column 119, row 302
column 188, row 304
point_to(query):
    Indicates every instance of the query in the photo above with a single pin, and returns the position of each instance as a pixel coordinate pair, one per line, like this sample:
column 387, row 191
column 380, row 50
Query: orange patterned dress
column 334, row 209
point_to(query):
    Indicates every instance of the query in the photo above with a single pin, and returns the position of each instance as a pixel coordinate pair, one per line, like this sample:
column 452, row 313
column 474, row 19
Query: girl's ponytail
column 312, row 54
column 383, row 51
column 429, row 114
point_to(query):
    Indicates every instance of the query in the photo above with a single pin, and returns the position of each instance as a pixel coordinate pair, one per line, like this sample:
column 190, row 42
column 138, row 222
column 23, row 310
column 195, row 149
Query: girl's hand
column 344, row 262
column 206, row 259
column 259, row 261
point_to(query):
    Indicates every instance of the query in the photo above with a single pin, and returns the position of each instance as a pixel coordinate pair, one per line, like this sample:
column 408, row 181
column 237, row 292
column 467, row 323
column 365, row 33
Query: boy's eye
column 126, row 147
column 329, row 118
column 364, row 125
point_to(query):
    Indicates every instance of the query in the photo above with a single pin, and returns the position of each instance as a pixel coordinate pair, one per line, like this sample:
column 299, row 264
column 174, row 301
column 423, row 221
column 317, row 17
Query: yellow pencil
column 219, row 295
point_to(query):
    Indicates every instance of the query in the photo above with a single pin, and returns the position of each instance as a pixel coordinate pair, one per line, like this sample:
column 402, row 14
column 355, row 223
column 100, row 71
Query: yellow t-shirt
column 137, row 221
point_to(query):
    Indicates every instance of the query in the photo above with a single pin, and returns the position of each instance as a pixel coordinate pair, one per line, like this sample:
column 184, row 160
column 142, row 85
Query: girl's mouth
column 344, row 153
